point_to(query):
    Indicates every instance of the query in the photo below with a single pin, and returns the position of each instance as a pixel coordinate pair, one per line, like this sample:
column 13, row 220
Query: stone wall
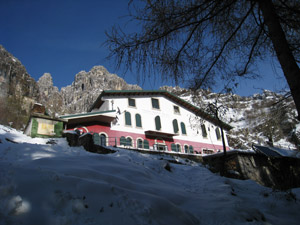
column 278, row 173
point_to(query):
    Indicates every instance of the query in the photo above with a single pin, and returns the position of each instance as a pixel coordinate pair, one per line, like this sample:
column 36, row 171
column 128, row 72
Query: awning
column 104, row 117
column 156, row 133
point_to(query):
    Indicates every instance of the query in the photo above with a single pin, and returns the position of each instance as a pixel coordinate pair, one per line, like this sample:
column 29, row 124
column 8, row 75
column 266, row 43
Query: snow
column 57, row 184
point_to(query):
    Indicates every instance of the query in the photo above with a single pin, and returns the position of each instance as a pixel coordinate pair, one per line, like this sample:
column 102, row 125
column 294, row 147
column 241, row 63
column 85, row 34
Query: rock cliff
column 87, row 86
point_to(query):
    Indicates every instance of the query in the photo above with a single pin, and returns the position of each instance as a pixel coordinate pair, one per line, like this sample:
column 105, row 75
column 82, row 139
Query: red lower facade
column 117, row 138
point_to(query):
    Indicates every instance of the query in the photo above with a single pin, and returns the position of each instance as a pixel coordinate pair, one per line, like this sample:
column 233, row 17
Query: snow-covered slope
column 56, row 184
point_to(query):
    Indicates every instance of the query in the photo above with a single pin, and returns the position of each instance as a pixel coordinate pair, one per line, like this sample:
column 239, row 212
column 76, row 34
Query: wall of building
column 113, row 139
column 166, row 114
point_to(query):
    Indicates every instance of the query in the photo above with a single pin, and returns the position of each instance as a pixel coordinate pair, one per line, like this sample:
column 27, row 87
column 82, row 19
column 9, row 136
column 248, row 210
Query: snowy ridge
column 56, row 184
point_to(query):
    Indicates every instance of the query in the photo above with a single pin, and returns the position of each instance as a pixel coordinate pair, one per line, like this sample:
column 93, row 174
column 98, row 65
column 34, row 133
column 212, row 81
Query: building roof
column 168, row 95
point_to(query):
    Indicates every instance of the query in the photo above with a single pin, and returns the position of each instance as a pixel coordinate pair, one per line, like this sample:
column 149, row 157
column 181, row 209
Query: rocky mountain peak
column 45, row 80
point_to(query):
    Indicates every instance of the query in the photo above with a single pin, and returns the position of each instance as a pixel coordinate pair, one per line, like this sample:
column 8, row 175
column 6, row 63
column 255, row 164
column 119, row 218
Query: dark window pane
column 191, row 149
column 140, row 143
column 203, row 128
column 131, row 102
column 218, row 133
column 155, row 103
column 176, row 109
column 102, row 140
column 122, row 141
column 128, row 141
column 173, row 147
column 186, row 148
column 178, row 148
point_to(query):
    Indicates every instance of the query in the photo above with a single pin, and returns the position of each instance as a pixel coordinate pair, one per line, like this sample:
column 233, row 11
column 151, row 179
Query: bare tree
column 207, row 41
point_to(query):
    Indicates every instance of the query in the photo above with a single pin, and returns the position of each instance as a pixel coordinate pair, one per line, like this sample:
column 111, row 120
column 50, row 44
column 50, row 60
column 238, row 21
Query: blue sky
column 64, row 37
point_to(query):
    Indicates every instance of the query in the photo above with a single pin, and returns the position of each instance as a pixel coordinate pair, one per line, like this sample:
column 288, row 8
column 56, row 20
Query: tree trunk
column 284, row 54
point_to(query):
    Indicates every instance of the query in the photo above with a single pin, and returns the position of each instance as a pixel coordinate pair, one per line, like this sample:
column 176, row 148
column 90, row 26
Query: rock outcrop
column 50, row 95
column 87, row 86
column 14, row 79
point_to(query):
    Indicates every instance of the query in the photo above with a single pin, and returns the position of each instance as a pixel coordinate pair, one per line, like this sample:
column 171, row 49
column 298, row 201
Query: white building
column 156, row 120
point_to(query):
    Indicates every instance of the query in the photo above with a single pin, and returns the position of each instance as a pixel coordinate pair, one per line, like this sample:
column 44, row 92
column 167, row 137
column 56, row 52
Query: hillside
column 261, row 118
column 56, row 184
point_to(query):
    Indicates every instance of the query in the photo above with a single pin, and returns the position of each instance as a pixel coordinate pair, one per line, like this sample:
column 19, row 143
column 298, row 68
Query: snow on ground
column 59, row 185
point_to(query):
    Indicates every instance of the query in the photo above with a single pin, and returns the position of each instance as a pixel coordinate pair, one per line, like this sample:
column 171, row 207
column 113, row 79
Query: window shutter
column 175, row 126
column 127, row 118
column 58, row 128
column 218, row 133
column 146, row 144
column 183, row 130
column 204, row 133
column 157, row 123
column 191, row 149
column 138, row 120
column 34, row 127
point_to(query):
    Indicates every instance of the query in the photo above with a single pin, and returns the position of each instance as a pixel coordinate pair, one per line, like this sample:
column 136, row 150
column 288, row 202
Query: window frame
column 175, row 111
column 153, row 105
column 132, row 99
column 218, row 133
column 204, row 131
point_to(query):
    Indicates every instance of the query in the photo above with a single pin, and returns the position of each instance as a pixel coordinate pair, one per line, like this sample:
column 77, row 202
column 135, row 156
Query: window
column 122, row 140
column 96, row 139
column 207, row 151
column 160, row 147
column 155, row 103
column 176, row 109
column 178, row 148
column 191, row 149
column 157, row 123
column 138, row 120
column 218, row 133
column 183, row 130
column 203, row 128
column 175, row 126
column 186, row 149
column 127, row 118
column 146, row 144
column 140, row 143
column 128, row 141
column 173, row 147
column 103, row 139
column 131, row 102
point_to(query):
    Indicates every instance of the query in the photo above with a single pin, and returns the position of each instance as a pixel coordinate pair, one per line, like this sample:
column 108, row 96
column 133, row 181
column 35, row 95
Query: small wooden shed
column 42, row 125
